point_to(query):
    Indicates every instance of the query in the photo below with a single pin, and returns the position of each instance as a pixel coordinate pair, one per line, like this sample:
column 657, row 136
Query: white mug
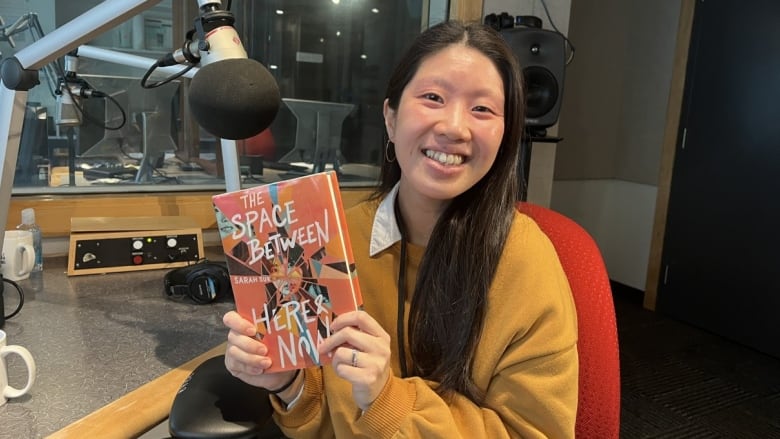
column 7, row 391
column 18, row 258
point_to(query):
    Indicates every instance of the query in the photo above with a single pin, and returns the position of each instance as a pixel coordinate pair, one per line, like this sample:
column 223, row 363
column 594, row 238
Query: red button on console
column 138, row 259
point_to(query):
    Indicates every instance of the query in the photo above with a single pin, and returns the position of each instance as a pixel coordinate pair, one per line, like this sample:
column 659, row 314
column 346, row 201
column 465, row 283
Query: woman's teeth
column 444, row 158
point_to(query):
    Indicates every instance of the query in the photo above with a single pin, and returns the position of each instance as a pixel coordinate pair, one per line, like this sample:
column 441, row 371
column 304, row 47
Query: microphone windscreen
column 234, row 98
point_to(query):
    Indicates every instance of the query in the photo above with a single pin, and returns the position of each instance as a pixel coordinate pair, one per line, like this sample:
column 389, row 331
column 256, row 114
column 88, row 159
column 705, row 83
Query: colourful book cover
column 290, row 262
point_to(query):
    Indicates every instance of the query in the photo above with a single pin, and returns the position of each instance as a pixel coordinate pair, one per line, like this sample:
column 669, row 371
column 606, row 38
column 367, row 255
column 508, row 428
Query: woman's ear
column 389, row 115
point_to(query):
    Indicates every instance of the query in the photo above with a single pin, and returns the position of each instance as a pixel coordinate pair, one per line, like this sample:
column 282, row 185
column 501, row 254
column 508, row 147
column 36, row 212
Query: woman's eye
column 432, row 97
column 482, row 109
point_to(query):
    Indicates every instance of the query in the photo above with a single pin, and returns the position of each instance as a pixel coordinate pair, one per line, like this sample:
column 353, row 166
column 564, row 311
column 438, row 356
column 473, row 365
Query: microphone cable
column 104, row 96
column 97, row 94
column 565, row 38
column 168, row 60
column 163, row 81
column 21, row 299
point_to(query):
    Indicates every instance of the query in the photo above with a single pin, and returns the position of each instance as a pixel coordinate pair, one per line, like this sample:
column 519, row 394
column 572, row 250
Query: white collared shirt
column 385, row 231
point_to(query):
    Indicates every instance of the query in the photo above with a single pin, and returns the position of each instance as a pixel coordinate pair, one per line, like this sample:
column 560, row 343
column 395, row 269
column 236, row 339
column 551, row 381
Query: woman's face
column 448, row 125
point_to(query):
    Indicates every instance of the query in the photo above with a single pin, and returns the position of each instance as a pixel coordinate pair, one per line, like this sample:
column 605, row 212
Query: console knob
column 138, row 244
column 172, row 242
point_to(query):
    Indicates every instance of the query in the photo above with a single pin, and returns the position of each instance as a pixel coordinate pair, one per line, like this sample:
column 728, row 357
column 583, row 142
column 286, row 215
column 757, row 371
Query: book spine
column 346, row 244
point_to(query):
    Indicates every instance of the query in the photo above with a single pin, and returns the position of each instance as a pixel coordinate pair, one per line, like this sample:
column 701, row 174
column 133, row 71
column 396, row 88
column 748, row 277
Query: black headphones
column 203, row 282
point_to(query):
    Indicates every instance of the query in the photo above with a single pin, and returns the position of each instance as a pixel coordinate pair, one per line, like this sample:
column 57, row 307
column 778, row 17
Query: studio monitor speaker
column 542, row 57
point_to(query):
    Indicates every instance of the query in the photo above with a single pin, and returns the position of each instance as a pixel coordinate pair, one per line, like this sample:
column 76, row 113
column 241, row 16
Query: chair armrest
column 212, row 403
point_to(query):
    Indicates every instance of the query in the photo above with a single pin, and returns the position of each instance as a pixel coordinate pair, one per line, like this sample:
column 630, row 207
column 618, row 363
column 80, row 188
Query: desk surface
column 97, row 338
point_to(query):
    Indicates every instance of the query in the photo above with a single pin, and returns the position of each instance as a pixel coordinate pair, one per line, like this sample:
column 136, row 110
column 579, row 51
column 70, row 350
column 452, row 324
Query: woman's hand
column 360, row 351
column 245, row 356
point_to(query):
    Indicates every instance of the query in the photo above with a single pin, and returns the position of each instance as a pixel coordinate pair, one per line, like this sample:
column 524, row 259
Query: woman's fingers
column 359, row 348
column 246, row 343
column 351, row 358
column 367, row 371
column 244, row 353
column 245, row 356
column 356, row 329
column 235, row 322
column 238, row 360
column 358, row 319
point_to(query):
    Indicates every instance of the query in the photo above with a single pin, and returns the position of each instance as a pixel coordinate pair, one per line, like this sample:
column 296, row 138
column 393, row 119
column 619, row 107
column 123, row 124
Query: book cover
column 290, row 261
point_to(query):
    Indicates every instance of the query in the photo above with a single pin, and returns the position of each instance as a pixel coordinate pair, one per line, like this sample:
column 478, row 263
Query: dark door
column 721, row 257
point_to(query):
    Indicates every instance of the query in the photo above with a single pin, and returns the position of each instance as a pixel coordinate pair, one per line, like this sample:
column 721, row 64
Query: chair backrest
column 598, row 413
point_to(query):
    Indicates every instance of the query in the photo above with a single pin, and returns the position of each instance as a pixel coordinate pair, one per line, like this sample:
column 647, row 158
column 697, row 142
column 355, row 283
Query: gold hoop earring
column 387, row 152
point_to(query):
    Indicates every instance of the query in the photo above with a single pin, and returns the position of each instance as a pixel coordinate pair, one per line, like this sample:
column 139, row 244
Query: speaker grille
column 542, row 57
column 541, row 91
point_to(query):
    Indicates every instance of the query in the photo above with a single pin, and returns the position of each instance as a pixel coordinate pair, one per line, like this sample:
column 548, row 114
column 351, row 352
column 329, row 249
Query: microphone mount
column 71, row 83
column 77, row 87
column 208, row 21
column 210, row 18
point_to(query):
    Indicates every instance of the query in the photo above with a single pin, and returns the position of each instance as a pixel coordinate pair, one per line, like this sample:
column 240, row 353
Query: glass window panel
column 331, row 59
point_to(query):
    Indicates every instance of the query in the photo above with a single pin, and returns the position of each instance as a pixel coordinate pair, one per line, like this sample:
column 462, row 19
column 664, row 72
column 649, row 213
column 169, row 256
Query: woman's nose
column 454, row 123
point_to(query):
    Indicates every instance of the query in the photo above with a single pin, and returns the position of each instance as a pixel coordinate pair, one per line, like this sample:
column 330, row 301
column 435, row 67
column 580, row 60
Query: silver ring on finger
column 354, row 358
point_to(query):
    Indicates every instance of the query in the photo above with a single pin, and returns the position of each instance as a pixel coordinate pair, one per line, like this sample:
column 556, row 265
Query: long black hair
column 449, row 302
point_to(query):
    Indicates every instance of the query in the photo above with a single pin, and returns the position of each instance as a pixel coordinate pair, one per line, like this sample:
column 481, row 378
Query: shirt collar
column 385, row 231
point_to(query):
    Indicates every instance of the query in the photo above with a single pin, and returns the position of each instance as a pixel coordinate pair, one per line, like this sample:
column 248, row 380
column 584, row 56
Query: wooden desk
column 140, row 410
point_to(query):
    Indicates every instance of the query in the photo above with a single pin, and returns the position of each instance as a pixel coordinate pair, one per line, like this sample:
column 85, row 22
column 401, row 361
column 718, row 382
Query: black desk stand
column 318, row 124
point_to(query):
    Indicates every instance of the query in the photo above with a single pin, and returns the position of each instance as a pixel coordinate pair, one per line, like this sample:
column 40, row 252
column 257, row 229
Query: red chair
column 598, row 414
column 261, row 144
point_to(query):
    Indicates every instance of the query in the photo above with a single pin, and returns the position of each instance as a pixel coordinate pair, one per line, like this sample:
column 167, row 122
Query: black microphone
column 231, row 96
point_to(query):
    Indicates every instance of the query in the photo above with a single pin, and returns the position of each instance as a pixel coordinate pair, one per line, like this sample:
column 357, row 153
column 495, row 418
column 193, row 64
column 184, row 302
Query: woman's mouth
column 444, row 158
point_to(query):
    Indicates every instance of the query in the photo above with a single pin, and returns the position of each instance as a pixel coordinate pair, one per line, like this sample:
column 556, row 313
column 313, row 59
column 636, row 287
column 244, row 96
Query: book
column 290, row 262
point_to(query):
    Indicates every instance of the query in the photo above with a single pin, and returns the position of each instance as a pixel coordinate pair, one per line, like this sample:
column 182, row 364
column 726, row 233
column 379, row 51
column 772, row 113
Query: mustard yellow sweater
column 526, row 361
